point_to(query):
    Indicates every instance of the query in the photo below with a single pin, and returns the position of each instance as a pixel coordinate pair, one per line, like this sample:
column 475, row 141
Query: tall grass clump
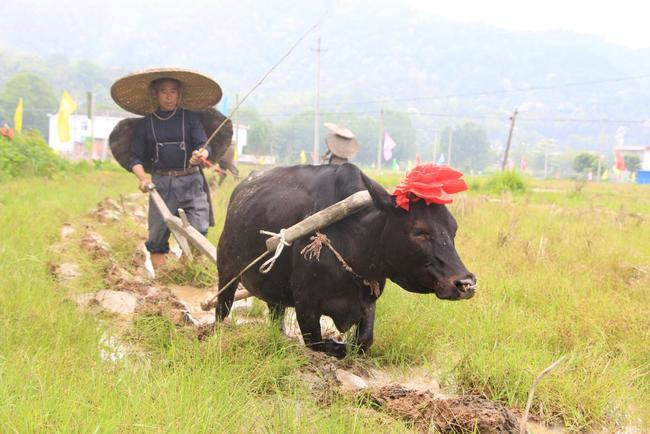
column 27, row 155
column 507, row 181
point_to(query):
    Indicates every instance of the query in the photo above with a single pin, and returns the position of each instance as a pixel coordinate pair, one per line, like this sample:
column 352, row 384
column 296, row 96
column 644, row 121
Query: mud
column 428, row 412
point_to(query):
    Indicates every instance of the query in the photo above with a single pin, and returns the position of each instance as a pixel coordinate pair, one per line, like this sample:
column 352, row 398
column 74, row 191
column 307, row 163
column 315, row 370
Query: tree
column 632, row 162
column 470, row 148
column 38, row 97
column 585, row 162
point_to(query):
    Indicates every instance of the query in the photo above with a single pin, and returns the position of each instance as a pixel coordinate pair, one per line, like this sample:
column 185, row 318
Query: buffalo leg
column 363, row 334
column 309, row 323
column 276, row 312
column 225, row 299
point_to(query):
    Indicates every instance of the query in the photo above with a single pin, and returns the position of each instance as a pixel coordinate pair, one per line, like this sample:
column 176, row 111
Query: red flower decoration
column 429, row 182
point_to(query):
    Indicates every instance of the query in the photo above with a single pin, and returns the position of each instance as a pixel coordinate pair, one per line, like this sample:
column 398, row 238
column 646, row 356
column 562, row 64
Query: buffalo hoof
column 331, row 348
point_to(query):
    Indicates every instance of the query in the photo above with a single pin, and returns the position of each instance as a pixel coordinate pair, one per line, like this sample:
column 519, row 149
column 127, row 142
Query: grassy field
column 562, row 271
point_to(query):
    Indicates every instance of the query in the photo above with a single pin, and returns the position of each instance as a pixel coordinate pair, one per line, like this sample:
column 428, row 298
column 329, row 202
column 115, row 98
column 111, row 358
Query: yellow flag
column 303, row 157
column 18, row 117
column 66, row 108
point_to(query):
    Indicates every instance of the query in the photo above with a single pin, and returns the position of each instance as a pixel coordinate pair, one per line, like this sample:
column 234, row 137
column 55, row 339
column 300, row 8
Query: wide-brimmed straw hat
column 134, row 94
column 341, row 141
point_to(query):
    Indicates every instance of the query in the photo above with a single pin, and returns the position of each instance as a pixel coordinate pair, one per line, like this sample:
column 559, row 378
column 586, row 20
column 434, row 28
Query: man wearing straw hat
column 169, row 143
column 341, row 144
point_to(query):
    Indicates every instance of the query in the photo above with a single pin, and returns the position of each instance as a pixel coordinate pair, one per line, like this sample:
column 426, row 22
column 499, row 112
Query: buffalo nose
column 467, row 284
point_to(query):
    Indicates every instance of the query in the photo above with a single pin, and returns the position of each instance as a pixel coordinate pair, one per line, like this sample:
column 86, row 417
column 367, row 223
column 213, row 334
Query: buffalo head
column 418, row 248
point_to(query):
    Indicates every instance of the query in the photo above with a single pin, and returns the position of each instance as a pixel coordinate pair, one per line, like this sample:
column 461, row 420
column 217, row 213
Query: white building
column 81, row 147
column 642, row 151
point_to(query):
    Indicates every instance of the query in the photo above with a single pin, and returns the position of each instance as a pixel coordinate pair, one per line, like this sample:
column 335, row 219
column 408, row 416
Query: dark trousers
column 186, row 192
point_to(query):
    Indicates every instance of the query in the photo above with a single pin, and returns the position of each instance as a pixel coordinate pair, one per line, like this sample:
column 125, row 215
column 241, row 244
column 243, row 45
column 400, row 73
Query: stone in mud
column 107, row 210
column 66, row 271
column 350, row 382
column 119, row 302
column 94, row 244
column 66, row 230
column 85, row 299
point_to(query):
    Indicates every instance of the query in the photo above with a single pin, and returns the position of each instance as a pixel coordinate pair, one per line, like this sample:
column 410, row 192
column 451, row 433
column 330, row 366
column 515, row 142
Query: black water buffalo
column 414, row 249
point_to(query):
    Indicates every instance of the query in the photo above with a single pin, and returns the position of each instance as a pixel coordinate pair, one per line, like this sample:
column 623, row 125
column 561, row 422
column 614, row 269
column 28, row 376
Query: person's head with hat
column 341, row 143
column 170, row 142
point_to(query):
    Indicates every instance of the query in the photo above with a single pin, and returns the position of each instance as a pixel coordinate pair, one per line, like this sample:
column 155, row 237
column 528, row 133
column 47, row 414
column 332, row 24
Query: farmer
column 341, row 145
column 168, row 142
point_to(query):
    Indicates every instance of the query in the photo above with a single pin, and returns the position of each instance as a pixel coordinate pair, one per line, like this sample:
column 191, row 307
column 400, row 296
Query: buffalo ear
column 380, row 197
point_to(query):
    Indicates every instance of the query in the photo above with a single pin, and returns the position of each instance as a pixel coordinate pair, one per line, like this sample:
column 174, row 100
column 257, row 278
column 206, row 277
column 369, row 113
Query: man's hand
column 143, row 179
column 144, row 185
column 197, row 156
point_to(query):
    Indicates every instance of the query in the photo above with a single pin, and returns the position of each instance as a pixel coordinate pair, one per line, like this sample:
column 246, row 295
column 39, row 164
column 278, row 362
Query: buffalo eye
column 420, row 233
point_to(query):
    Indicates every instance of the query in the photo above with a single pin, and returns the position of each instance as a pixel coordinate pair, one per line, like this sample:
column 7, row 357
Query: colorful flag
column 441, row 159
column 389, row 145
column 18, row 117
column 303, row 157
column 620, row 162
column 605, row 175
column 66, row 108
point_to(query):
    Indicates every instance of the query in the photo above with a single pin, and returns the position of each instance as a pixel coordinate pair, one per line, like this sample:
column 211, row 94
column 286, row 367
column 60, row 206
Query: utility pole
column 89, row 113
column 436, row 142
column 236, row 126
column 316, row 155
column 601, row 140
column 546, row 143
column 451, row 135
column 382, row 137
column 512, row 127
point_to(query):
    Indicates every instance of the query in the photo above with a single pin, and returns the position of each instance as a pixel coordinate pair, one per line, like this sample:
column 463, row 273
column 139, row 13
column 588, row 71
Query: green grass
column 242, row 379
column 561, row 272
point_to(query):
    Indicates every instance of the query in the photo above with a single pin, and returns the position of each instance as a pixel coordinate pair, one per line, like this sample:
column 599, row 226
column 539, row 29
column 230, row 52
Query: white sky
column 624, row 22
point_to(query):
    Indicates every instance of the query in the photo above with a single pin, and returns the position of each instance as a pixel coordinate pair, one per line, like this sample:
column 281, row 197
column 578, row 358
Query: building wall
column 80, row 147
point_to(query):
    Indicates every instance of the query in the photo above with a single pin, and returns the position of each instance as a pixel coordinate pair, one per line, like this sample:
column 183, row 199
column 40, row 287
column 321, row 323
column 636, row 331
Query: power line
column 486, row 92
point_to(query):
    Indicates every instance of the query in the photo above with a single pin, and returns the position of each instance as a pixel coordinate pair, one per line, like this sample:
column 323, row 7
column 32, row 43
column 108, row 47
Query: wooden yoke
column 322, row 218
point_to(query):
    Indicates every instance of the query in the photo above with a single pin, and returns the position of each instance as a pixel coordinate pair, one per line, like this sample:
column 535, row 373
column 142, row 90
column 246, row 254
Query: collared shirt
column 143, row 146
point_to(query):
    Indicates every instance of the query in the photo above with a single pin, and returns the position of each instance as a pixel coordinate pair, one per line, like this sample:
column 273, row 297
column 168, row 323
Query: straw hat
column 134, row 94
column 341, row 141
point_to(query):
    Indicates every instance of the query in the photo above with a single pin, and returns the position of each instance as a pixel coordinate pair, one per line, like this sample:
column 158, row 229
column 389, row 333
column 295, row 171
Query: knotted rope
column 312, row 251
column 269, row 263
column 264, row 268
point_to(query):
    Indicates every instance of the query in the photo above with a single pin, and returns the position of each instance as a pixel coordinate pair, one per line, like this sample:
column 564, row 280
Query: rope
column 264, row 268
column 212, row 303
column 312, row 251
column 262, row 80
column 269, row 263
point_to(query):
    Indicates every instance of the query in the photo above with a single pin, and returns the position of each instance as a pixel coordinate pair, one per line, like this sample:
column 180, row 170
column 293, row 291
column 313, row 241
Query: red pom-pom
column 429, row 182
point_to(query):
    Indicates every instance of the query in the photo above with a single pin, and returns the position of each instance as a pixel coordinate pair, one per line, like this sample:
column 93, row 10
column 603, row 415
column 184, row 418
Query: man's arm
column 138, row 147
column 138, row 171
column 197, row 139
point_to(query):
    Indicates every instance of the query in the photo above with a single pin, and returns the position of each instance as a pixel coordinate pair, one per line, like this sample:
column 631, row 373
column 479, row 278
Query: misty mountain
column 379, row 54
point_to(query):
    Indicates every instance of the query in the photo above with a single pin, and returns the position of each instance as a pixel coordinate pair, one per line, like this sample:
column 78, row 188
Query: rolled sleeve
column 138, row 145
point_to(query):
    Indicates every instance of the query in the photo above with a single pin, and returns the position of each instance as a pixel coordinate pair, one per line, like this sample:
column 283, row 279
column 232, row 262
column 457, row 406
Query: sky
column 624, row 22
